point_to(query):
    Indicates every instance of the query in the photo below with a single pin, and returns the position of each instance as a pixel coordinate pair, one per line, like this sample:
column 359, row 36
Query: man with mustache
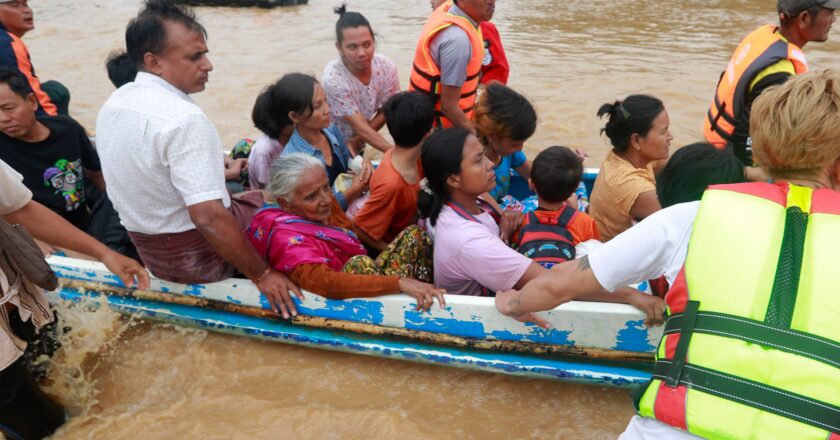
column 448, row 59
column 162, row 161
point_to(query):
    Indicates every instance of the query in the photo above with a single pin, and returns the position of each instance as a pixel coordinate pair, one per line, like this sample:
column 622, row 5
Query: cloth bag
column 21, row 250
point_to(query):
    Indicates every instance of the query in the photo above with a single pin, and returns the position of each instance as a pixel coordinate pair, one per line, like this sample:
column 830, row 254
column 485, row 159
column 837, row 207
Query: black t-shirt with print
column 54, row 169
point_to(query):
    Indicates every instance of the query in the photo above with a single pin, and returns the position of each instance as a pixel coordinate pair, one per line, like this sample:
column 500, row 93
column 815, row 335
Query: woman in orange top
column 625, row 189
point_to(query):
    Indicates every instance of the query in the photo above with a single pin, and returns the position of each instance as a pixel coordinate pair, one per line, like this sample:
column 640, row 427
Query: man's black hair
column 409, row 116
column 16, row 81
column 120, row 69
column 147, row 32
column 556, row 173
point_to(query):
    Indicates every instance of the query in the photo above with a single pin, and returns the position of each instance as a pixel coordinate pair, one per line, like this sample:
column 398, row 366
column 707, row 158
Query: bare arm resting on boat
column 221, row 230
column 47, row 226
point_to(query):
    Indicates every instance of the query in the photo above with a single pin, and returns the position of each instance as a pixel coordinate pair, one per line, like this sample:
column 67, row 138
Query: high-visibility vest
column 425, row 73
column 726, row 121
column 751, row 348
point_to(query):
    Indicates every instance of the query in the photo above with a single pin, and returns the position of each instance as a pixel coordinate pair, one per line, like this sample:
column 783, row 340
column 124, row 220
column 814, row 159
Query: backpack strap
column 567, row 216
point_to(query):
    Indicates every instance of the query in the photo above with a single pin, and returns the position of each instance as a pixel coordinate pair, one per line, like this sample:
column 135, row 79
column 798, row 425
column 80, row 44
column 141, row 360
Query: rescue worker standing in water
column 768, row 56
column 448, row 59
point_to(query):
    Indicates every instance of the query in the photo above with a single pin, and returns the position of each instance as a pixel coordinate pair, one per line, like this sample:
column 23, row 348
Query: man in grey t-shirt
column 451, row 50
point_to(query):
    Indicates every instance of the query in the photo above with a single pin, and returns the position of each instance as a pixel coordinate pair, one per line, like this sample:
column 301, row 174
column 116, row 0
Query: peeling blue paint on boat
column 193, row 289
column 537, row 366
column 368, row 312
column 633, row 337
column 423, row 321
column 234, row 300
column 539, row 335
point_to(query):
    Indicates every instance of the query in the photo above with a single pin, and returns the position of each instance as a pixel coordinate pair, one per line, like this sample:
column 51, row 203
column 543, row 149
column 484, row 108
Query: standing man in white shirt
column 162, row 160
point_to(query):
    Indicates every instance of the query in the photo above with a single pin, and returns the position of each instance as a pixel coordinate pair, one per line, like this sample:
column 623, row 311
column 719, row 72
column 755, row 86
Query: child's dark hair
column 349, row 20
column 634, row 115
column 120, row 68
column 267, row 116
column 692, row 169
column 556, row 173
column 441, row 157
column 291, row 93
column 503, row 112
column 409, row 116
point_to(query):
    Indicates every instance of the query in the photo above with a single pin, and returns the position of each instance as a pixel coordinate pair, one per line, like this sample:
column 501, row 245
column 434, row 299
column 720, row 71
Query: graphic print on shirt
column 488, row 57
column 66, row 179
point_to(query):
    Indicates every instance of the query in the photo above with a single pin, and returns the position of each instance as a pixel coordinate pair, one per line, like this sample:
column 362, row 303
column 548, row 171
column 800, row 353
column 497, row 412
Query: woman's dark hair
column 291, row 93
column 634, row 115
column 503, row 112
column 409, row 116
column 147, row 32
column 556, row 173
column 441, row 157
column 692, row 169
column 349, row 20
column 120, row 69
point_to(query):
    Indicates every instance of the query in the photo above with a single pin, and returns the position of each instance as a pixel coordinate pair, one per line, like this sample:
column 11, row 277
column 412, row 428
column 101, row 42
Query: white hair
column 286, row 172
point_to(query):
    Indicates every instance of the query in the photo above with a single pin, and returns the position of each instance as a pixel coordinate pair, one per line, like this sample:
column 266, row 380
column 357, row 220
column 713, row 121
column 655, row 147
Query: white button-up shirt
column 160, row 154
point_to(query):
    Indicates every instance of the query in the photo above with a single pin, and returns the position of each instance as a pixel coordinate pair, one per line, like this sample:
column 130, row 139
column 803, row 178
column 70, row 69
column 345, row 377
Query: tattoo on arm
column 514, row 303
column 583, row 263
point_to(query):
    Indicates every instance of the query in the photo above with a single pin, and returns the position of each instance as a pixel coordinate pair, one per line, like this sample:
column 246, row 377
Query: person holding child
column 301, row 100
column 504, row 120
column 625, row 189
column 311, row 239
column 550, row 233
column 392, row 204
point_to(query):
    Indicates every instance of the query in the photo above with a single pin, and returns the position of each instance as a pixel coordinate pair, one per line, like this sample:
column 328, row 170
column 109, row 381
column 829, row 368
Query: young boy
column 549, row 234
column 392, row 204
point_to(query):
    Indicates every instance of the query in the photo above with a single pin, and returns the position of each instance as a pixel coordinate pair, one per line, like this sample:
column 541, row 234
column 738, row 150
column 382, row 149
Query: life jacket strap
column 756, row 395
column 677, row 364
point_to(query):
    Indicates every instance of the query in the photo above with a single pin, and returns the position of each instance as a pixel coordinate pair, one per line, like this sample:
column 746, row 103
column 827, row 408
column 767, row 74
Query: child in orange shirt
column 549, row 234
column 392, row 204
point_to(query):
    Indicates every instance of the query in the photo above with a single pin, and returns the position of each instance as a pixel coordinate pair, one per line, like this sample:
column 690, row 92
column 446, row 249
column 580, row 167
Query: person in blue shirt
column 302, row 100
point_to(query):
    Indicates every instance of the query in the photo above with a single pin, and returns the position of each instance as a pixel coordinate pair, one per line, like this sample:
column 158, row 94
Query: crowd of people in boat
column 323, row 202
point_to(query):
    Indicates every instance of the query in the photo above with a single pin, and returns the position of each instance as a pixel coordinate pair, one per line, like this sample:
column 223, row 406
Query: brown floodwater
column 126, row 379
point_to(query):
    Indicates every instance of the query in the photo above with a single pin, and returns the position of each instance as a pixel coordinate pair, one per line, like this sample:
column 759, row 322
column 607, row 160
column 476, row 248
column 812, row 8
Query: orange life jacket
column 425, row 73
column 726, row 121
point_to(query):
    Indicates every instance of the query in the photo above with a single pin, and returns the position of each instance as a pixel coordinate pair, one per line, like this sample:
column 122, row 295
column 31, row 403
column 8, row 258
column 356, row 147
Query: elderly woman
column 751, row 343
column 625, row 190
column 311, row 239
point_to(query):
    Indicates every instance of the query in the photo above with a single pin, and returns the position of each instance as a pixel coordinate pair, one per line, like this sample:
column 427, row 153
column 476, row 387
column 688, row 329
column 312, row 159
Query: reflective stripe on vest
column 752, row 342
column 425, row 73
column 759, row 50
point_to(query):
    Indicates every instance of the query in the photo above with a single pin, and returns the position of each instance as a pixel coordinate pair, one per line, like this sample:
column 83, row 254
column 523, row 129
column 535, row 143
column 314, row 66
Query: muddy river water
column 126, row 379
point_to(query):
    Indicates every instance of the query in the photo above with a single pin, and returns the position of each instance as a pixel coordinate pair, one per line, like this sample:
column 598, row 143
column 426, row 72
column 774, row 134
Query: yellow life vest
column 752, row 343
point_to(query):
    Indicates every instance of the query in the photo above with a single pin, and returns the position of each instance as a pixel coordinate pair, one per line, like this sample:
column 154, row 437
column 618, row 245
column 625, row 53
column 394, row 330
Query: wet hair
column 634, row 115
column 266, row 115
column 409, row 116
column 286, row 172
column 120, row 69
column 556, row 173
column 349, row 20
column 502, row 112
column 441, row 157
column 16, row 82
column 795, row 127
column 692, row 169
column 147, row 31
column 291, row 93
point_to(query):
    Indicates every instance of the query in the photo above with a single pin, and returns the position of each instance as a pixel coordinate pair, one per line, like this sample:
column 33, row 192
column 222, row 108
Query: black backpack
column 547, row 244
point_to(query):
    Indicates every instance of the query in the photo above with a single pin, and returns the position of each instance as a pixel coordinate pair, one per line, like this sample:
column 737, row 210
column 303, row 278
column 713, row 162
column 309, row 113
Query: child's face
column 505, row 146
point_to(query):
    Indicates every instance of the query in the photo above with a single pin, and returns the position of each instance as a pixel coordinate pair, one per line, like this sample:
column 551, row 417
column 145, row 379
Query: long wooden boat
column 595, row 343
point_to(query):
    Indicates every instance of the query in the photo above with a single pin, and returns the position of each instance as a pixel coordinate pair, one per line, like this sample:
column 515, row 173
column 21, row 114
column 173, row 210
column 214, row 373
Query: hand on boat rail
column 276, row 287
column 424, row 293
column 128, row 269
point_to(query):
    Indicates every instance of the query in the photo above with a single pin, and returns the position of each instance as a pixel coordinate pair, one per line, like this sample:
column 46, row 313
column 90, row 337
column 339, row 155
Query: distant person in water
column 359, row 82
column 120, row 68
column 625, row 189
column 767, row 57
column 494, row 66
column 16, row 19
column 162, row 161
column 448, row 60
